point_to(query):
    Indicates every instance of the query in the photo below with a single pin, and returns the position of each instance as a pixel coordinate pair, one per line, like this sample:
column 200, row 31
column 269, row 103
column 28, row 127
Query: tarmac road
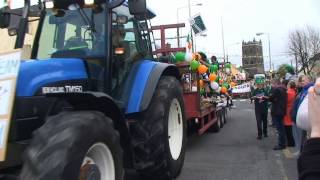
column 235, row 154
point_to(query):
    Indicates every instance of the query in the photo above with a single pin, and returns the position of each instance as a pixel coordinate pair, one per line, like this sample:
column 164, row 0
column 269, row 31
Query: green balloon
column 202, row 92
column 213, row 68
column 228, row 65
column 194, row 65
column 218, row 79
column 226, row 85
column 180, row 56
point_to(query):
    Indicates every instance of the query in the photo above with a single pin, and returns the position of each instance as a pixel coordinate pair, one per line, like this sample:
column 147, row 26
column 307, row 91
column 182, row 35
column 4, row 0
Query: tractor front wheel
column 74, row 145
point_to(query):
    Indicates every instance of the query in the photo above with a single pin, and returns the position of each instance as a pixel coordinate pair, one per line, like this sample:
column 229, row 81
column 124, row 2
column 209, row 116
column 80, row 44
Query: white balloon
column 228, row 70
column 214, row 85
column 188, row 56
column 218, row 90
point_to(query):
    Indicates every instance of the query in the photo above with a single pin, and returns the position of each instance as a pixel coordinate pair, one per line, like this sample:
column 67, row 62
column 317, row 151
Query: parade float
column 206, row 89
column 206, row 85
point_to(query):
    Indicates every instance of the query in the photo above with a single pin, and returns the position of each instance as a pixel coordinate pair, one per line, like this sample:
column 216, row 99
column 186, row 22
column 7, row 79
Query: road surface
column 235, row 154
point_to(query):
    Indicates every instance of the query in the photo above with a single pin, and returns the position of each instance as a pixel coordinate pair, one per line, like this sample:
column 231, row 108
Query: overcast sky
column 242, row 19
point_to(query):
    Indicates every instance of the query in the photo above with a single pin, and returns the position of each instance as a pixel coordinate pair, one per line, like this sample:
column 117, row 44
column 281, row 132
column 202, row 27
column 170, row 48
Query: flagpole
column 189, row 7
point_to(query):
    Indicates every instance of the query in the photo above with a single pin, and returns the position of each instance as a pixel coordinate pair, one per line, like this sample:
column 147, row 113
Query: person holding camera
column 309, row 160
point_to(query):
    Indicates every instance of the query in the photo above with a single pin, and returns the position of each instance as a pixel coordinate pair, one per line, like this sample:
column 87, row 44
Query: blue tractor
column 92, row 102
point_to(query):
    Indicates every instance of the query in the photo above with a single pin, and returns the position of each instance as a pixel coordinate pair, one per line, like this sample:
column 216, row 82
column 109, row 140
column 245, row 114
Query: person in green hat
column 260, row 97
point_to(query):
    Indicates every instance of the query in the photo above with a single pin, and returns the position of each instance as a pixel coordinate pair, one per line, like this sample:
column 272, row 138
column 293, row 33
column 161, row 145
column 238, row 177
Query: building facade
column 252, row 57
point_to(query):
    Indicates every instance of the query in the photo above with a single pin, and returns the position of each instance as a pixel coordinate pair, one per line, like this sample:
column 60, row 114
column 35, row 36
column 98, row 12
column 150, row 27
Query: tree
column 303, row 45
column 284, row 69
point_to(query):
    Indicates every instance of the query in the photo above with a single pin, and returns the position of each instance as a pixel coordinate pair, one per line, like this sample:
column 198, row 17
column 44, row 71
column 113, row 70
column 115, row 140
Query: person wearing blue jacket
column 304, row 83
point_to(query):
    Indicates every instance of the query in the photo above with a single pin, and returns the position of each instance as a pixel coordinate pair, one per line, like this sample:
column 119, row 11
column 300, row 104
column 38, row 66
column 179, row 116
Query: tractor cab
column 107, row 37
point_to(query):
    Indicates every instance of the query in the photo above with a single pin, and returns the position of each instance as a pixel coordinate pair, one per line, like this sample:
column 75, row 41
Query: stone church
column 252, row 57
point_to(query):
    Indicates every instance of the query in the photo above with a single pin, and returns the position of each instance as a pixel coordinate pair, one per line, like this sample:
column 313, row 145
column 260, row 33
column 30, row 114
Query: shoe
column 296, row 154
column 266, row 135
column 259, row 137
column 278, row 148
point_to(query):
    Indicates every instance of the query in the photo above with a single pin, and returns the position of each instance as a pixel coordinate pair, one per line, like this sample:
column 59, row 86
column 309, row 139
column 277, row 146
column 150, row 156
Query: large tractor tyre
column 159, row 135
column 75, row 146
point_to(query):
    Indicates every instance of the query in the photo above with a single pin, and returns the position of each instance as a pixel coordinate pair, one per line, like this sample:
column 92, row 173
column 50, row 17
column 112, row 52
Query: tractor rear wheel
column 74, row 145
column 159, row 135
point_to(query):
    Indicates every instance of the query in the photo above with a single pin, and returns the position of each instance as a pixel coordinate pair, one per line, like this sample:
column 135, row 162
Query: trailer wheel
column 159, row 134
column 221, row 119
column 74, row 145
column 216, row 126
column 225, row 116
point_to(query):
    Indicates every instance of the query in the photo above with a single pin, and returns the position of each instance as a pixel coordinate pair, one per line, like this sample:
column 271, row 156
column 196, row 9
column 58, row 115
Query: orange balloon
column 212, row 77
column 201, row 84
column 202, row 69
column 232, row 84
column 224, row 90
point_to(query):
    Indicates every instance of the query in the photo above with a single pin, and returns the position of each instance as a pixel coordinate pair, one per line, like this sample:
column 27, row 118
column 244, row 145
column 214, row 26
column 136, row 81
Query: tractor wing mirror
column 4, row 19
column 115, row 3
column 137, row 7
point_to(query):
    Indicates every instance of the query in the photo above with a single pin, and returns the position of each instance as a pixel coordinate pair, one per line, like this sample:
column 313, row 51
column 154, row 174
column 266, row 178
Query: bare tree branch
column 305, row 44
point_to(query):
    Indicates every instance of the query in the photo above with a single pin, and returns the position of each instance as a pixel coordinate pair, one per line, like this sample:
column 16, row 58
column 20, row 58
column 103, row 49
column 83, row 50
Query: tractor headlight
column 49, row 4
column 88, row 2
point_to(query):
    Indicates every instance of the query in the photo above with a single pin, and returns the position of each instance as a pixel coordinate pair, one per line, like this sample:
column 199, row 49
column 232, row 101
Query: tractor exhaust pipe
column 23, row 25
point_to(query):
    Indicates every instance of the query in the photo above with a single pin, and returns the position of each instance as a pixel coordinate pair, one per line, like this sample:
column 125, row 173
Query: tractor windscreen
column 77, row 33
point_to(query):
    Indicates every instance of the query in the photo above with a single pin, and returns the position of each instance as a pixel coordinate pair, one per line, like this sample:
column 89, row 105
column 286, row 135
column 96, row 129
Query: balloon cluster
column 209, row 72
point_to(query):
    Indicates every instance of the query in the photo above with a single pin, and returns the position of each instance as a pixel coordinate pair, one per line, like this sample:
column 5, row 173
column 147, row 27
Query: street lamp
column 270, row 62
column 189, row 8
column 184, row 7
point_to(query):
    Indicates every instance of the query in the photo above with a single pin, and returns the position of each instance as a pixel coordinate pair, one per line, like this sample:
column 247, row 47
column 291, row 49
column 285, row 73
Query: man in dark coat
column 278, row 98
column 259, row 95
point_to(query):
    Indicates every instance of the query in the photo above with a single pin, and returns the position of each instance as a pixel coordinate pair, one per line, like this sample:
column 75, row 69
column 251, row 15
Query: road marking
column 281, row 168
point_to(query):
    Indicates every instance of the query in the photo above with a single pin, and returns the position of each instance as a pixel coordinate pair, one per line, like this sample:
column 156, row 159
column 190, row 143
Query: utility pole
column 296, row 57
column 222, row 33
column 269, row 51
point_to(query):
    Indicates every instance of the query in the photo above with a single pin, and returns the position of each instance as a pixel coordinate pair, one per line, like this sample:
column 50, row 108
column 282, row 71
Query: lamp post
column 270, row 62
column 183, row 7
column 189, row 8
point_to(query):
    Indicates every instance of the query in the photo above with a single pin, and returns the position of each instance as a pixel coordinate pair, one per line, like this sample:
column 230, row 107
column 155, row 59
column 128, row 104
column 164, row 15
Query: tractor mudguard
column 102, row 102
column 35, row 74
column 145, row 83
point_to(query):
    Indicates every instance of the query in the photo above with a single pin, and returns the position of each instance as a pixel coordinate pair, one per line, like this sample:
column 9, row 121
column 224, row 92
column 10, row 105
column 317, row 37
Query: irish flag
column 189, row 42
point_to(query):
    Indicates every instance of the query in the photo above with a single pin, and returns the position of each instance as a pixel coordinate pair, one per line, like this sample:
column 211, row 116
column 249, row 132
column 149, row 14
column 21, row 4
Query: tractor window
column 126, row 50
column 77, row 34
